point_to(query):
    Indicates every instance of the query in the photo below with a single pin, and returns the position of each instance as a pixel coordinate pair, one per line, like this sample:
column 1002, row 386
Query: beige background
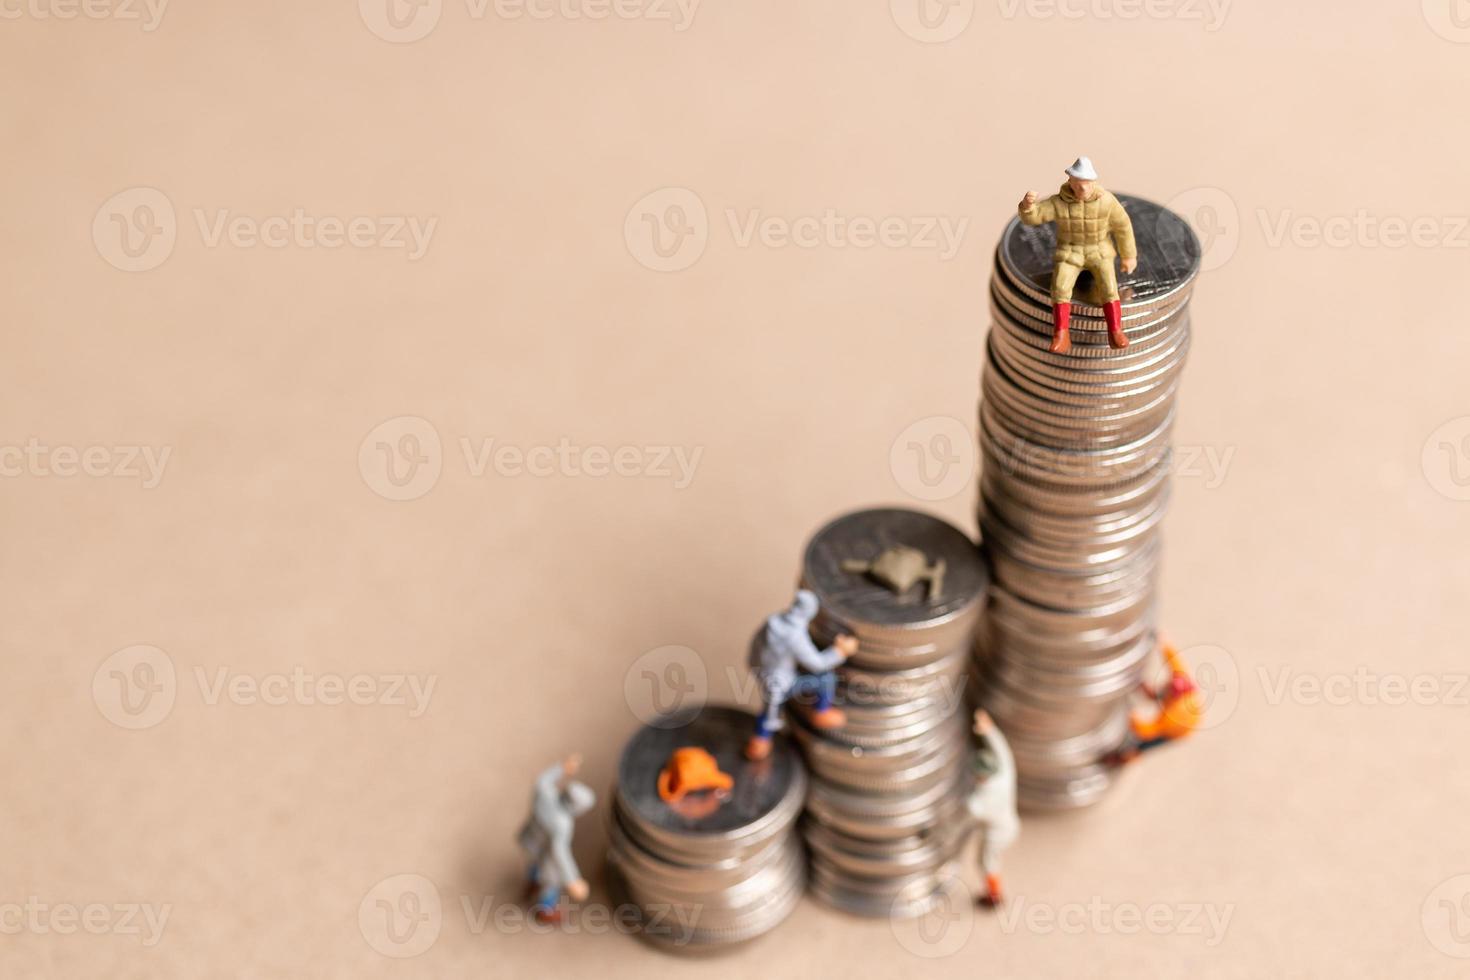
column 1330, row 376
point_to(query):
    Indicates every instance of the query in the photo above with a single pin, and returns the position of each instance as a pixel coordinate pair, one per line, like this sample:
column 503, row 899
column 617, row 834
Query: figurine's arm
column 814, row 660
column 548, row 785
column 1175, row 662
column 561, row 852
column 1002, row 749
column 1121, row 227
column 1034, row 212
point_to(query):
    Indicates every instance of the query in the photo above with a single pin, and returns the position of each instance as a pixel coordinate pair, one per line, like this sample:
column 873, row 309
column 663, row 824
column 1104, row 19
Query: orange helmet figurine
column 691, row 770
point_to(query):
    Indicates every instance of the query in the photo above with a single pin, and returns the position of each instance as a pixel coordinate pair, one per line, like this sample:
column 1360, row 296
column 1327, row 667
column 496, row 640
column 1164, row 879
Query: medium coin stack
column 885, row 811
column 1076, row 458
column 708, row 870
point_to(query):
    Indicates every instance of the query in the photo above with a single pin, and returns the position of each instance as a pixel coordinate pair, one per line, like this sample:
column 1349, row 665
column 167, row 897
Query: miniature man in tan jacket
column 1089, row 221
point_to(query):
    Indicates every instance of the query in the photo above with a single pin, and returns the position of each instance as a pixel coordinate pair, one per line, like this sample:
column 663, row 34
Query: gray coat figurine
column 783, row 646
column 546, row 837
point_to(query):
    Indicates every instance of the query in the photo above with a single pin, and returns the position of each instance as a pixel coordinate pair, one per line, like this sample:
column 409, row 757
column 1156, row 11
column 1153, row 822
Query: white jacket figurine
column 992, row 804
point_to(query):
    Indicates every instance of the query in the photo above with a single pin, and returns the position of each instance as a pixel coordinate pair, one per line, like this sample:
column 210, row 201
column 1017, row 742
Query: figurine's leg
column 990, row 867
column 824, row 685
column 1063, row 279
column 1107, row 291
column 759, row 745
column 546, row 907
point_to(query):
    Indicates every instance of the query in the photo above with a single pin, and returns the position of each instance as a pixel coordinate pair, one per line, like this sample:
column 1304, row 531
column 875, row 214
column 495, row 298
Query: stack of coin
column 885, row 812
column 1076, row 460
column 715, row 867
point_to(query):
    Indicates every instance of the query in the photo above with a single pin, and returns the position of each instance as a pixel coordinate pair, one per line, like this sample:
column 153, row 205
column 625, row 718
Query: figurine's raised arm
column 1034, row 213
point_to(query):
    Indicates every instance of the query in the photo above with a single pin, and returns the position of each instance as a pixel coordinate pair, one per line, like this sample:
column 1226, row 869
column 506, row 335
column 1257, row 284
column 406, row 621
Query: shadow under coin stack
column 885, row 811
column 708, row 870
column 1075, row 480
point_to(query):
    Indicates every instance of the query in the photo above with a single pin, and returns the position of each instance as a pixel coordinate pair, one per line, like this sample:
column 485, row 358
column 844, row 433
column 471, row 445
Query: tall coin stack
column 884, row 814
column 711, row 869
column 1076, row 460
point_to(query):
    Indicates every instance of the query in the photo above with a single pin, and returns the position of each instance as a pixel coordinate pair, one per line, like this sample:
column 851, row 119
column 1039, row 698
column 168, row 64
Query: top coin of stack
column 1076, row 451
column 707, row 870
column 885, row 808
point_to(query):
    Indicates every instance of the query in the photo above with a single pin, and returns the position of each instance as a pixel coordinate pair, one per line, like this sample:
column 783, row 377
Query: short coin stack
column 885, row 812
column 707, row 871
column 1076, row 459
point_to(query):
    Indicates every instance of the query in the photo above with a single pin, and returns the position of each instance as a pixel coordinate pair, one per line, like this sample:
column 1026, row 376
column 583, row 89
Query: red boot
column 992, row 897
column 1061, row 341
column 1113, row 313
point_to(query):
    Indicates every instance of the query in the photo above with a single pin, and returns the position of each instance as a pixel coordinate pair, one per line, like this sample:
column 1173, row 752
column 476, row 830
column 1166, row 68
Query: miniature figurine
column 1089, row 221
column 992, row 803
column 1179, row 714
column 691, row 770
column 785, row 644
column 546, row 838
column 900, row 568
